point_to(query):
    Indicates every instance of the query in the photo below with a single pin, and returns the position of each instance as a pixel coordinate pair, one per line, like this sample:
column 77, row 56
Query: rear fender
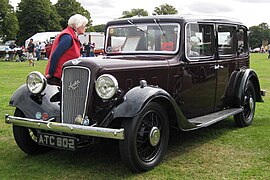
column 30, row 104
column 242, row 79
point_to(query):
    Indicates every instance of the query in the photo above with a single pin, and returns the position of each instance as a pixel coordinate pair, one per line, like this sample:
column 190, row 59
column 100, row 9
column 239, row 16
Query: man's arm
column 65, row 43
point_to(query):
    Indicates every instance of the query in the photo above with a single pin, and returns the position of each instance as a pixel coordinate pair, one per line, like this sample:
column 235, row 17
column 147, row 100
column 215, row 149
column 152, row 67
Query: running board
column 209, row 119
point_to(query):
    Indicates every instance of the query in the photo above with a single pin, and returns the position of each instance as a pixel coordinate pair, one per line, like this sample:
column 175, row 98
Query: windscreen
column 143, row 38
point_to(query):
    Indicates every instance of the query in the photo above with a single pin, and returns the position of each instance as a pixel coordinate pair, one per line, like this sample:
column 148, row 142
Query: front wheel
column 248, row 102
column 146, row 138
column 26, row 138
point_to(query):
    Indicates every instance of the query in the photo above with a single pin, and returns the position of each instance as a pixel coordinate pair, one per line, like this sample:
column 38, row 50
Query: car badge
column 73, row 86
column 75, row 61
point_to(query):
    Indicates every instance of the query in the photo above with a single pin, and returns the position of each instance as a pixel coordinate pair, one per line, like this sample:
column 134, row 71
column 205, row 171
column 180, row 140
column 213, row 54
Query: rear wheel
column 146, row 138
column 248, row 102
column 26, row 138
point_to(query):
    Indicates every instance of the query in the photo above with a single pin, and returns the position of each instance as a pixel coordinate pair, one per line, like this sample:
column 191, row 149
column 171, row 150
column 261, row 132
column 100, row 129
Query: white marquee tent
column 97, row 37
column 42, row 37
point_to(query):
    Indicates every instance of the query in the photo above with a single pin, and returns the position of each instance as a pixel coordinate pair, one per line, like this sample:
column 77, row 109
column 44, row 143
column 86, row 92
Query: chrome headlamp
column 106, row 86
column 36, row 82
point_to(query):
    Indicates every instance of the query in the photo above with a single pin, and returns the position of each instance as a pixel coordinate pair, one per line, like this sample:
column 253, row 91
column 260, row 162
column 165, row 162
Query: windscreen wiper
column 138, row 28
column 160, row 28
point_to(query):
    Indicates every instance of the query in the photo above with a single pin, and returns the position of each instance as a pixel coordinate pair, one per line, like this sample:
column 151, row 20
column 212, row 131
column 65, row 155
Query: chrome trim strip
column 67, row 128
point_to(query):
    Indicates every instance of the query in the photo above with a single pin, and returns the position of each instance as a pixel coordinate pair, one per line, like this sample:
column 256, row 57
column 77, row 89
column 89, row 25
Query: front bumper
column 66, row 128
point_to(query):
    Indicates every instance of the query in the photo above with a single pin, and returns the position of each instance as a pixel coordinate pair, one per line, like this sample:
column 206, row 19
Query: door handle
column 216, row 67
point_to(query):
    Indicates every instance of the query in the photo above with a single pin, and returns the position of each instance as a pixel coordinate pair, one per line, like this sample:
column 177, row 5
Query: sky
column 249, row 12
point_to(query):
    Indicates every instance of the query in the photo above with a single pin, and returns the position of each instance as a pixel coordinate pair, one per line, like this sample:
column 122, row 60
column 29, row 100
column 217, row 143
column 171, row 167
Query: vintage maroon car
column 158, row 72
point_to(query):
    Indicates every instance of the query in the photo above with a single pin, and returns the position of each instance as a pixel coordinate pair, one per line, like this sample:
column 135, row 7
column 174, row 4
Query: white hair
column 77, row 21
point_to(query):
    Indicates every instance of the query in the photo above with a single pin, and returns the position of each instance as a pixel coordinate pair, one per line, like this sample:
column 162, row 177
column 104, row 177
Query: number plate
column 57, row 141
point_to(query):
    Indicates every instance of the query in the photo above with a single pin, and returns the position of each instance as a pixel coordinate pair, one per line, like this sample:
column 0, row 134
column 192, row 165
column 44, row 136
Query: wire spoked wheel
column 146, row 138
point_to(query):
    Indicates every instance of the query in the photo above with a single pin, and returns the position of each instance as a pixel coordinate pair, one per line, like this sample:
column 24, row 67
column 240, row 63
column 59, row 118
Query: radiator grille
column 75, row 90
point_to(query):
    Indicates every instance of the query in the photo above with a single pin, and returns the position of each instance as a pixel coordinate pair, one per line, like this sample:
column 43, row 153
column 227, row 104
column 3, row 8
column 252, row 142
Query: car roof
column 180, row 17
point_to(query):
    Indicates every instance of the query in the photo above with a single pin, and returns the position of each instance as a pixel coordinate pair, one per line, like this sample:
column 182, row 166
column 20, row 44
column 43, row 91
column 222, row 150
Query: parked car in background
column 2, row 50
column 256, row 50
column 9, row 49
column 96, row 38
column 158, row 72
column 5, row 49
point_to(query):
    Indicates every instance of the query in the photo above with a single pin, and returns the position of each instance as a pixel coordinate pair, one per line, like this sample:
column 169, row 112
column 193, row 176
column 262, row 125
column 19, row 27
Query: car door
column 226, row 60
column 232, row 52
column 199, row 75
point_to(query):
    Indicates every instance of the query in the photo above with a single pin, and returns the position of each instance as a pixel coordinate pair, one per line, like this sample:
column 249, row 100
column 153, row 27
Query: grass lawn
column 220, row 151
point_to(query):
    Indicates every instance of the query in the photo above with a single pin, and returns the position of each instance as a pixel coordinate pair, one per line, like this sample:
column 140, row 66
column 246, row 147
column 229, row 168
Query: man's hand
column 48, row 76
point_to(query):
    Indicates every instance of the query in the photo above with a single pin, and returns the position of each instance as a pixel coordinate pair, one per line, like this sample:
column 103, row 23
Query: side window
column 242, row 45
column 199, row 41
column 226, row 40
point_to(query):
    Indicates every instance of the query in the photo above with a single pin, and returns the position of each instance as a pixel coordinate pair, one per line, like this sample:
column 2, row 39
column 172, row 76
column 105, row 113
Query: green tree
column 258, row 34
column 67, row 8
column 3, row 12
column 53, row 24
column 99, row 28
column 254, row 37
column 165, row 9
column 264, row 30
column 134, row 12
column 9, row 25
column 36, row 16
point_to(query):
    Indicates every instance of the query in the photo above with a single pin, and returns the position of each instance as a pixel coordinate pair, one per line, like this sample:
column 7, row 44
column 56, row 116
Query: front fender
column 30, row 104
column 134, row 101
column 137, row 98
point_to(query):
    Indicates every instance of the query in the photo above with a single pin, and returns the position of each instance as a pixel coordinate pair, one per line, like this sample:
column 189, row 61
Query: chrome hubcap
column 154, row 136
column 251, row 103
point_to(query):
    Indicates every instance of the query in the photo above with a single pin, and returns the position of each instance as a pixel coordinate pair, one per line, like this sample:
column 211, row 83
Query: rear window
column 226, row 40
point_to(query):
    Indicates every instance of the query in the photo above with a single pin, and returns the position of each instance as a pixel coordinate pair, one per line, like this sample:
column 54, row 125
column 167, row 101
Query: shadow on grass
column 104, row 157
column 204, row 134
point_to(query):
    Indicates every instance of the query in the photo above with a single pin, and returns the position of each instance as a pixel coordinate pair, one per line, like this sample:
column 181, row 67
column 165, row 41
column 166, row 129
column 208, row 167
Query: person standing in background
column 65, row 47
column 92, row 49
column 83, row 53
column 37, row 50
column 30, row 52
column 87, row 49
column 42, row 50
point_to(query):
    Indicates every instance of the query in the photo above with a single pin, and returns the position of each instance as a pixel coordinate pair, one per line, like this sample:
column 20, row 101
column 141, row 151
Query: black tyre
column 146, row 138
column 248, row 102
column 26, row 138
